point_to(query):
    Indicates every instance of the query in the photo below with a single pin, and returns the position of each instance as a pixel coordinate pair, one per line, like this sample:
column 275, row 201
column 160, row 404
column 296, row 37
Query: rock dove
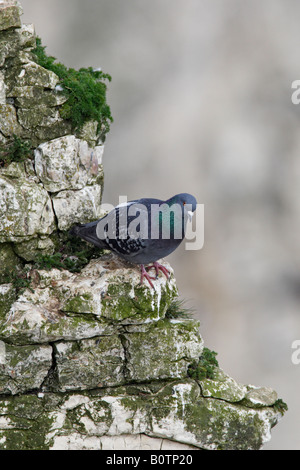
column 142, row 231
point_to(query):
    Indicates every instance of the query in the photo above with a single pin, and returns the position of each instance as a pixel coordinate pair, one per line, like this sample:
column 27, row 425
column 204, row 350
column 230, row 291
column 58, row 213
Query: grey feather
column 114, row 231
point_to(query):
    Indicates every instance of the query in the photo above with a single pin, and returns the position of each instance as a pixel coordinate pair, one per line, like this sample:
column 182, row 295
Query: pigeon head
column 187, row 201
column 184, row 199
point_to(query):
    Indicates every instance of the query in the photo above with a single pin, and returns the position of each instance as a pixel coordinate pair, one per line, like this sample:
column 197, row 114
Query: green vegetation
column 205, row 367
column 14, row 150
column 84, row 88
column 177, row 309
column 73, row 255
column 280, row 405
column 20, row 280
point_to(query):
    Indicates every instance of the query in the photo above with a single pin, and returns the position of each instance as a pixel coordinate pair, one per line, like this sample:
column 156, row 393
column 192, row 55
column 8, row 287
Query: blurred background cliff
column 201, row 100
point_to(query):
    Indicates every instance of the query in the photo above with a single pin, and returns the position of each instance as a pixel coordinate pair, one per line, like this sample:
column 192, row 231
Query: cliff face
column 95, row 360
column 89, row 358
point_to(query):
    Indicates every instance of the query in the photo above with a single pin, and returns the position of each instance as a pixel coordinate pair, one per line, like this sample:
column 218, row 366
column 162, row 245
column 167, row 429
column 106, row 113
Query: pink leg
column 146, row 275
column 159, row 267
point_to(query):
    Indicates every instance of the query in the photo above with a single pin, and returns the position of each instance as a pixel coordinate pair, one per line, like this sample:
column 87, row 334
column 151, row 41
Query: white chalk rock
column 68, row 163
column 25, row 209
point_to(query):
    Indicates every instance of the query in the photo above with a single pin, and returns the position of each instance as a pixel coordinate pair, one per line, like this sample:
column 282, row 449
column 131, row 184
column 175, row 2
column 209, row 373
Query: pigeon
column 142, row 231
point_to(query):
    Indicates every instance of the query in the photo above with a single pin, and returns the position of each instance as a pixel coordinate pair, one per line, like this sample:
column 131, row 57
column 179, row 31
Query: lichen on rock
column 68, row 163
column 109, row 361
column 173, row 411
column 67, row 173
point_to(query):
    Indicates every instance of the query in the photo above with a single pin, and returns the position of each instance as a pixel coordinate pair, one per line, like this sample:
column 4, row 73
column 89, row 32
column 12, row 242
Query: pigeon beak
column 190, row 215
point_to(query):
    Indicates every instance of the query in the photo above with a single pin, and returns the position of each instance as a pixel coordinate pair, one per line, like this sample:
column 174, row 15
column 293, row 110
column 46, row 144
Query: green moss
column 9, row 262
column 156, row 406
column 213, row 424
column 72, row 254
column 68, row 324
column 81, row 303
column 20, row 280
column 151, row 303
column 85, row 91
column 224, row 426
column 59, row 261
column 7, row 298
column 205, row 367
column 14, row 150
column 118, row 304
column 29, row 423
column 100, row 414
column 280, row 406
column 124, row 300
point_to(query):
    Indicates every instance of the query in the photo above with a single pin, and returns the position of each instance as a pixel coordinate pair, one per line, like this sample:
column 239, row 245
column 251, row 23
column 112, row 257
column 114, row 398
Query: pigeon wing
column 125, row 229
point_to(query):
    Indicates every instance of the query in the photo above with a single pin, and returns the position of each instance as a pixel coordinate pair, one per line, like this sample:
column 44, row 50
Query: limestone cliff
column 89, row 357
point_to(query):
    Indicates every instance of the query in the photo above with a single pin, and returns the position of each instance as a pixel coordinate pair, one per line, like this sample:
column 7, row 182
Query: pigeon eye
column 184, row 203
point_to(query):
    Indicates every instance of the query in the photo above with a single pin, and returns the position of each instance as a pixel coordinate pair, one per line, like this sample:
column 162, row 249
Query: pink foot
column 159, row 267
column 144, row 274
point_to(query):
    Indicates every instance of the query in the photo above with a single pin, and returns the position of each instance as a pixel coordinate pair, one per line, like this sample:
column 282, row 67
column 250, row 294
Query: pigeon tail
column 88, row 233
